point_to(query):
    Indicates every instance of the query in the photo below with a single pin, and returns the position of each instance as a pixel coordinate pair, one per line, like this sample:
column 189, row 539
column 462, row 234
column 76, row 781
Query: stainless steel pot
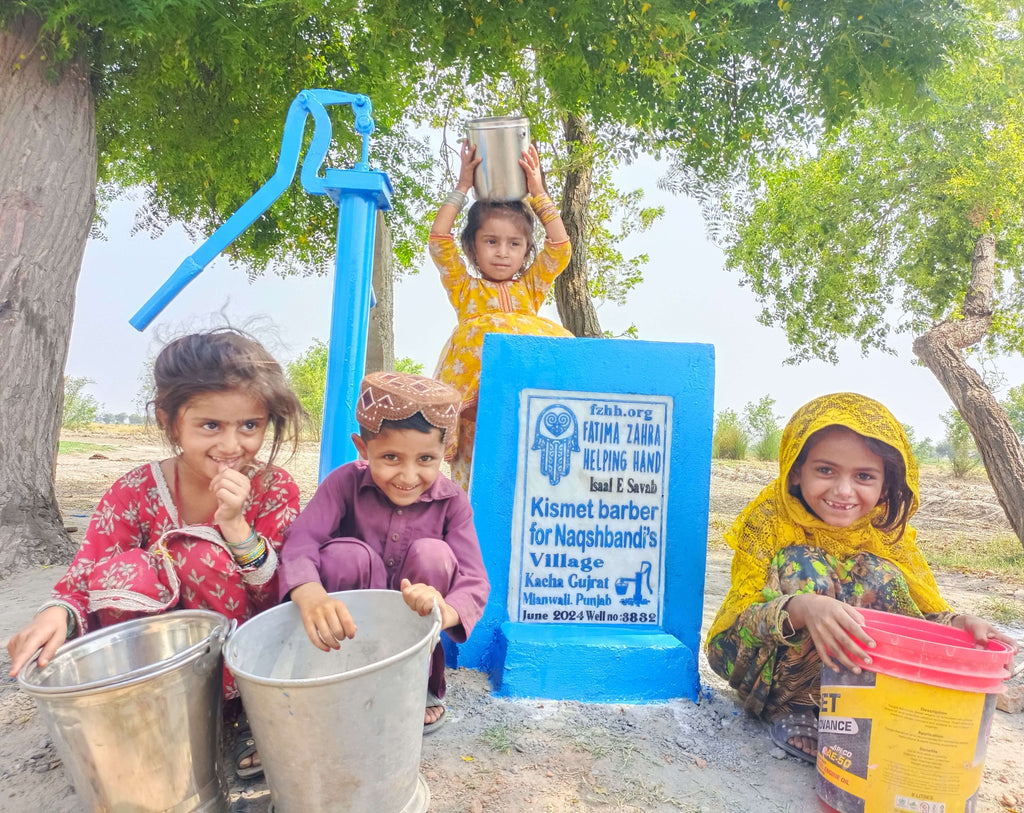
column 500, row 141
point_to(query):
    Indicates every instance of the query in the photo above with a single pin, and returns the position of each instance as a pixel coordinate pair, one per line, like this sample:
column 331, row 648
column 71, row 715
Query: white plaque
column 588, row 524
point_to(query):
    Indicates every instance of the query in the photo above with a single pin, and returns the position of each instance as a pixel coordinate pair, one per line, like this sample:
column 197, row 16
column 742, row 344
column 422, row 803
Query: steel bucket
column 500, row 141
column 134, row 711
column 339, row 731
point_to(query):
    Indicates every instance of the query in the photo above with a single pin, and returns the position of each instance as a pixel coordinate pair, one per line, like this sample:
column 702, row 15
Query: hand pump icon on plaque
column 637, row 581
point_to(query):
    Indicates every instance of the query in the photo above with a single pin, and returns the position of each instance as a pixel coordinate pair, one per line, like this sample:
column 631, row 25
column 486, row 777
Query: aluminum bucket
column 342, row 730
column 134, row 711
column 500, row 141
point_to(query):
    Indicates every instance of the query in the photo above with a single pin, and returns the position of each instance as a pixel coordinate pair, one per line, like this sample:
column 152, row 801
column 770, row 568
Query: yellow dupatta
column 776, row 519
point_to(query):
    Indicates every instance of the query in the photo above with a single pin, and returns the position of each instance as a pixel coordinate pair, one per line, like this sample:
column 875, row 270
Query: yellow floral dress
column 488, row 307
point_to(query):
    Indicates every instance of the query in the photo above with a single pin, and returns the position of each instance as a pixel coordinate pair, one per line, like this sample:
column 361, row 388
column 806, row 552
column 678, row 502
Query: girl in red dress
column 201, row 529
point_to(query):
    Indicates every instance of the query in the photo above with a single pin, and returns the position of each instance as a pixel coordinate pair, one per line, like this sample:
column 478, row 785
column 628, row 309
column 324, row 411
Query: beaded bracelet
column 457, row 199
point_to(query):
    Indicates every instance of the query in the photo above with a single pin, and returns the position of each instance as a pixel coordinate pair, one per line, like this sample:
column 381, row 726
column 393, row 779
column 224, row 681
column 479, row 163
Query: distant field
column 80, row 447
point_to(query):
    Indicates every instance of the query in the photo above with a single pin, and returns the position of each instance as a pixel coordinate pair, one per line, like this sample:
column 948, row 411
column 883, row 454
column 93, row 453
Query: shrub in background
column 1014, row 406
column 80, row 408
column 962, row 452
column 308, row 377
column 730, row 440
column 764, row 428
column 407, row 365
column 924, row 450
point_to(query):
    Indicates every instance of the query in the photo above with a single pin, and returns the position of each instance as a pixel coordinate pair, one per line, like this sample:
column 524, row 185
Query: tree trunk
column 572, row 292
column 940, row 349
column 47, row 204
column 380, row 343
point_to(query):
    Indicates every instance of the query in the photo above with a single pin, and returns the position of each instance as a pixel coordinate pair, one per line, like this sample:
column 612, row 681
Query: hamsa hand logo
column 556, row 437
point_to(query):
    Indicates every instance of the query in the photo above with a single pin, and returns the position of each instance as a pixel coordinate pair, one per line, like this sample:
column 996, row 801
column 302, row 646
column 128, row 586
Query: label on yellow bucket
column 888, row 744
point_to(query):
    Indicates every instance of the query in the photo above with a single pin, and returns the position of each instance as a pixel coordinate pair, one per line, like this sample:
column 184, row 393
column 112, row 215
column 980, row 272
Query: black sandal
column 800, row 722
column 245, row 747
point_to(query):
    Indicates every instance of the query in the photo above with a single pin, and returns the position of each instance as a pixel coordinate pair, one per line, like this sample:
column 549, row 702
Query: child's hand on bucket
column 49, row 629
column 837, row 630
column 326, row 620
column 982, row 631
column 469, row 161
column 421, row 598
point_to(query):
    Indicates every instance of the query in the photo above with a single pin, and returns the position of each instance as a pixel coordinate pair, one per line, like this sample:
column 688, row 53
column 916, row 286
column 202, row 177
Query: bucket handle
column 211, row 657
column 435, row 637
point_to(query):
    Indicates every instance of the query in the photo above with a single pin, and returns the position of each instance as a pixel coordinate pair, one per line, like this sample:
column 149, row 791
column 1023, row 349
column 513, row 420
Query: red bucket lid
column 926, row 652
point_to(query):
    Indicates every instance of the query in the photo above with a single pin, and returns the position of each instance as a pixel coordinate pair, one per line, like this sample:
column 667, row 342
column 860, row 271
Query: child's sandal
column 245, row 748
column 433, row 701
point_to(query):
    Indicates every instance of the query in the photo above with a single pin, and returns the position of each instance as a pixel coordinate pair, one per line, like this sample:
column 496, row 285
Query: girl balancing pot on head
column 201, row 529
column 829, row 536
column 507, row 289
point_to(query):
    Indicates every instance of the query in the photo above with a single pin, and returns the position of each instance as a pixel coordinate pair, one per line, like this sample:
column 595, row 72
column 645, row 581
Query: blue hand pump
column 359, row 193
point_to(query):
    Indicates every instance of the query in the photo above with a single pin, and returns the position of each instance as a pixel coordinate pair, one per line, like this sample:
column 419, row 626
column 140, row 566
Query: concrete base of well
column 561, row 662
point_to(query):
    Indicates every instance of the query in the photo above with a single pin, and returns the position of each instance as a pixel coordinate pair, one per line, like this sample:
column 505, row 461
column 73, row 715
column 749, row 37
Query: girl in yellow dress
column 831, row 535
column 512, row 283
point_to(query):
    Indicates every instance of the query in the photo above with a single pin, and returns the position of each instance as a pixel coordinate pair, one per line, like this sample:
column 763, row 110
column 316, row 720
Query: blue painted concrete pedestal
column 613, row 666
column 560, row 409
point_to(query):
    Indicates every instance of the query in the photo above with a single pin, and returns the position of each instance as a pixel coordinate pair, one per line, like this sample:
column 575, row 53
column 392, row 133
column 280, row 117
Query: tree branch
column 941, row 351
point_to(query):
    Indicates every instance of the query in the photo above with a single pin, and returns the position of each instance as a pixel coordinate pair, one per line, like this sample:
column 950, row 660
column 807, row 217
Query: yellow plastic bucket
column 909, row 734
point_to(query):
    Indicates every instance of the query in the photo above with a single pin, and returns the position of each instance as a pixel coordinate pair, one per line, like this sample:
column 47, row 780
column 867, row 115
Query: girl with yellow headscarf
column 828, row 536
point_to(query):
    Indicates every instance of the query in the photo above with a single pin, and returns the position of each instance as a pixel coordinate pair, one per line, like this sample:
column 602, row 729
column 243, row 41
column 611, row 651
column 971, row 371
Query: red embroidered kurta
column 137, row 559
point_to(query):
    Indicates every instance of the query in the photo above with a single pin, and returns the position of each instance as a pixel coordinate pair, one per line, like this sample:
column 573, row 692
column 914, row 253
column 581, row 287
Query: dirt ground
column 523, row 755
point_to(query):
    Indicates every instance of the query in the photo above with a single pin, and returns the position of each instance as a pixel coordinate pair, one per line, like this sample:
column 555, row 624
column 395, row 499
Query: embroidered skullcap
column 386, row 396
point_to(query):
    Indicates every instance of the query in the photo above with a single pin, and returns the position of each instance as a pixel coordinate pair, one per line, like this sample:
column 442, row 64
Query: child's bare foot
column 432, row 714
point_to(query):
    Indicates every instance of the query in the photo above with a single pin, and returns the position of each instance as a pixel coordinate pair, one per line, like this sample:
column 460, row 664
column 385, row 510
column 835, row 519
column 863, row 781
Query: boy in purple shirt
column 391, row 520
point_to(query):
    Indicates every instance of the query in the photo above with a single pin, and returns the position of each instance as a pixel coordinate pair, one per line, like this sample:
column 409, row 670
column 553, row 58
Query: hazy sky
column 687, row 296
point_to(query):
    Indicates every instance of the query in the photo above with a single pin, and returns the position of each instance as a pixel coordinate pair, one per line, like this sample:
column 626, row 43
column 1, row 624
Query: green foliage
column 191, row 99
column 614, row 216
column 191, row 95
column 500, row 738
column 730, row 440
column 765, row 428
column 710, row 81
column 1014, row 406
column 80, row 408
column 870, row 234
column 407, row 365
column 120, row 418
column 308, row 377
column 963, row 453
column 923, row 450
column 1003, row 610
column 631, row 332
